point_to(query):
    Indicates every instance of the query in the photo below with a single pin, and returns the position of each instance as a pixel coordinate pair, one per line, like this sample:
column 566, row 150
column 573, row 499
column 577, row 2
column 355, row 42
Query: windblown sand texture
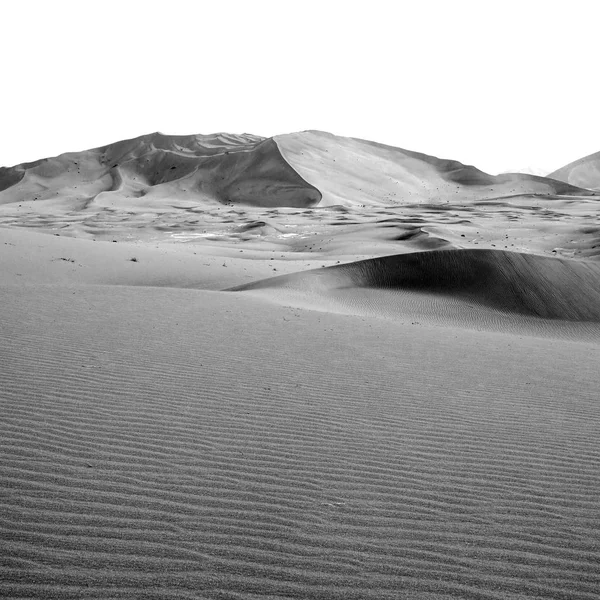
column 297, row 367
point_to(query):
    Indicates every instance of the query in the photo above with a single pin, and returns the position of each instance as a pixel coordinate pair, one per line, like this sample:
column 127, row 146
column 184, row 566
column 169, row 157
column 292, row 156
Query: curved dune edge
column 456, row 285
column 358, row 173
column 584, row 172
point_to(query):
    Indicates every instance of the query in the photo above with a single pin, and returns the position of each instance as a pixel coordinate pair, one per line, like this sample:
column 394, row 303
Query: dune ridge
column 350, row 171
column 549, row 288
column 584, row 172
column 226, row 169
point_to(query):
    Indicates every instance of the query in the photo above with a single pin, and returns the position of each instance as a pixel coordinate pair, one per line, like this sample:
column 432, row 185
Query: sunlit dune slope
column 539, row 286
column 350, row 171
column 228, row 169
column 584, row 172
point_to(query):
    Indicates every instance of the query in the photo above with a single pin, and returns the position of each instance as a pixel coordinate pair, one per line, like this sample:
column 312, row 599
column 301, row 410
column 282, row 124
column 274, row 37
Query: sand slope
column 141, row 171
column 584, row 172
column 177, row 443
column 350, row 171
column 549, row 288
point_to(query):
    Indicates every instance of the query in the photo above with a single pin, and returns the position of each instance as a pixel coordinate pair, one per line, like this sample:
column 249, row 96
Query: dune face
column 234, row 169
column 489, row 289
column 298, row 367
column 584, row 172
column 349, row 171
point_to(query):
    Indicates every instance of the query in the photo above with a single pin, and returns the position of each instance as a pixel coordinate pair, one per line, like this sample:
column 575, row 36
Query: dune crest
column 222, row 168
column 525, row 284
column 350, row 171
column 584, row 172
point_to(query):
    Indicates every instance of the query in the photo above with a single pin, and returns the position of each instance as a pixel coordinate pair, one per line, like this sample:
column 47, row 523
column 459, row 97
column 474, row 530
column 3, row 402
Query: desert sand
column 298, row 367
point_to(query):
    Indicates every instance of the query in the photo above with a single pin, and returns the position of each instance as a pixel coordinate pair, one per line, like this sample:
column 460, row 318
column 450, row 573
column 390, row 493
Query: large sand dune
column 349, row 171
column 584, row 172
column 309, row 367
column 154, row 168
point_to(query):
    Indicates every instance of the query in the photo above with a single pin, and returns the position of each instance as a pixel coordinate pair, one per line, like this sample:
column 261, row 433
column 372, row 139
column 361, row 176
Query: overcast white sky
column 498, row 84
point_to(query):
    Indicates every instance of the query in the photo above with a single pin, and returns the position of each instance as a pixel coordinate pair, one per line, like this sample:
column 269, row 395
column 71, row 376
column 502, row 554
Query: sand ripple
column 354, row 459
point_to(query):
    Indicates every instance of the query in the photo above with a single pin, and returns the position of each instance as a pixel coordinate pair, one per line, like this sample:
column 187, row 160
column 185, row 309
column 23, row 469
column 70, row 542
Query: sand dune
column 153, row 168
column 483, row 290
column 366, row 199
column 349, row 171
column 301, row 367
column 584, row 172
column 550, row 288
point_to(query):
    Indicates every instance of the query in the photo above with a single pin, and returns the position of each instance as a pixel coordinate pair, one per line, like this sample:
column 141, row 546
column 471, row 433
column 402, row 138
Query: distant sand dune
column 160, row 187
column 230, row 171
column 584, row 172
column 351, row 171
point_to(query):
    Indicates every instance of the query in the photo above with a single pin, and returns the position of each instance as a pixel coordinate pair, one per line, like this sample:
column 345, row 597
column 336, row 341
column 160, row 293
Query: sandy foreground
column 259, row 381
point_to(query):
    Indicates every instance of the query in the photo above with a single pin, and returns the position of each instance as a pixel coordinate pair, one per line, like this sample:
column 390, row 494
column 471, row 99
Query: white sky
column 498, row 84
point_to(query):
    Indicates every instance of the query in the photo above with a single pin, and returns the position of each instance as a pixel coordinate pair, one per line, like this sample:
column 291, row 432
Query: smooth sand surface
column 584, row 172
column 285, row 384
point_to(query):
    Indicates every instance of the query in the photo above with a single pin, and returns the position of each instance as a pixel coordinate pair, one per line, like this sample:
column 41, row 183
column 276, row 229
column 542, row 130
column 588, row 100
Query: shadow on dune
column 9, row 177
column 550, row 288
column 248, row 171
column 468, row 175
